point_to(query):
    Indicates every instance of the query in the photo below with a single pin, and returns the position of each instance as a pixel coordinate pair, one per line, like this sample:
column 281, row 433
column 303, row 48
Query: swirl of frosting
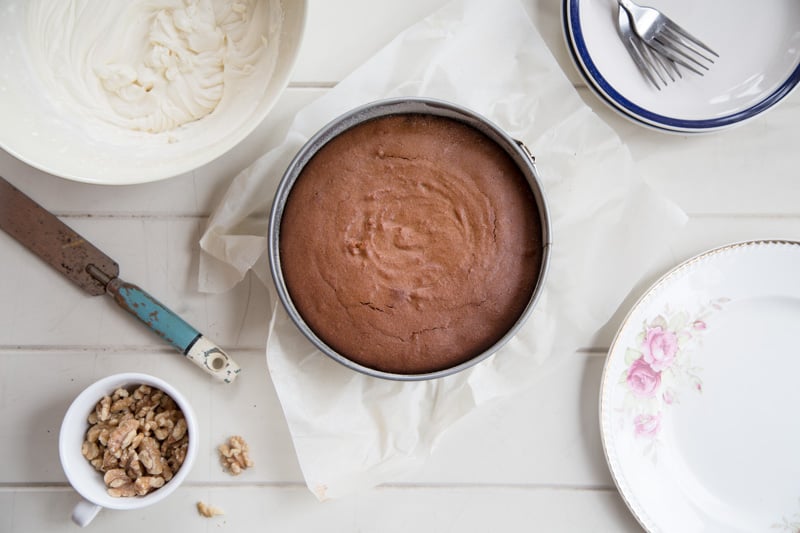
column 149, row 66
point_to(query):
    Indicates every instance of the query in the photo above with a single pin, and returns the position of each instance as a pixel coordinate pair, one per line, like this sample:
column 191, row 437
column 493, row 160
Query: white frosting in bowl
column 132, row 91
column 124, row 71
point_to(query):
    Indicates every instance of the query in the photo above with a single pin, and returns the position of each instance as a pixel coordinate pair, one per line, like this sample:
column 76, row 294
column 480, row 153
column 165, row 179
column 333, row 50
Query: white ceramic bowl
column 44, row 131
column 87, row 481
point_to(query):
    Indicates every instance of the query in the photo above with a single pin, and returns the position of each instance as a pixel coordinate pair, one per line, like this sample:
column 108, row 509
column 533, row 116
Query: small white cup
column 87, row 481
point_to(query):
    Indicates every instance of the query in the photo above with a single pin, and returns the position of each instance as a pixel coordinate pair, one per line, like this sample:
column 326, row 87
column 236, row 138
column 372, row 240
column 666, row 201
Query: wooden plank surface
column 532, row 463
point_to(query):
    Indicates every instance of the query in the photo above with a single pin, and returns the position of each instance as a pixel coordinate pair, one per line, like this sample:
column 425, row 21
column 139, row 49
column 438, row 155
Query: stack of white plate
column 759, row 63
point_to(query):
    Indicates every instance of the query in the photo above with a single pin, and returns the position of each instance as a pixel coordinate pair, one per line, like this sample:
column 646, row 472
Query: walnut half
column 208, row 510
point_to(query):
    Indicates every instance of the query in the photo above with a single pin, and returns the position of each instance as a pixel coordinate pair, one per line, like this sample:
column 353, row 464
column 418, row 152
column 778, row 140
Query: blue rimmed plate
column 573, row 55
column 759, row 64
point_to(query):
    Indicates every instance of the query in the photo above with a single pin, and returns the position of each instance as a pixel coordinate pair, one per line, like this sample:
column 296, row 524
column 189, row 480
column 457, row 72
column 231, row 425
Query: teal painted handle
column 174, row 330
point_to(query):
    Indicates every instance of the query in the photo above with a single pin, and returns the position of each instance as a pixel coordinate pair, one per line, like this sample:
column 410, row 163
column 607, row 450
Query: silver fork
column 667, row 38
column 652, row 65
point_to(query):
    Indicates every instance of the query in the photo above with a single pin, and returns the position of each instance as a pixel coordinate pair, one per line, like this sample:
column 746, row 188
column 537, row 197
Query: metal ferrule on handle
column 198, row 349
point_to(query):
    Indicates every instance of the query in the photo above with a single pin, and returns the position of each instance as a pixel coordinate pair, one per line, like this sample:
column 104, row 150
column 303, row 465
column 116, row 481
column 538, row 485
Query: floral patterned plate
column 700, row 392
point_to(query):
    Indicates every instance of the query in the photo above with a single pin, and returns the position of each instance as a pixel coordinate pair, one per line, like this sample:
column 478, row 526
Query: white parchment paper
column 352, row 431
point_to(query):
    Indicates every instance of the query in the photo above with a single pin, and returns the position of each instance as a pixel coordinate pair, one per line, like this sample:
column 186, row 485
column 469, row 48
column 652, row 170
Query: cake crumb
column 208, row 510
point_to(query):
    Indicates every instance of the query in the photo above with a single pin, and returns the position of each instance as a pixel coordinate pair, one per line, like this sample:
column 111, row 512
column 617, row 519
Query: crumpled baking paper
column 352, row 431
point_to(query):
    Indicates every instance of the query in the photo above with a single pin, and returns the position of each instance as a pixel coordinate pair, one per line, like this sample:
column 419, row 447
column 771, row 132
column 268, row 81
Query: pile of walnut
column 235, row 455
column 138, row 439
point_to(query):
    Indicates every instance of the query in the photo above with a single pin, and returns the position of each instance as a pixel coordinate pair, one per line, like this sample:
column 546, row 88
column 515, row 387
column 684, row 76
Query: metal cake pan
column 425, row 106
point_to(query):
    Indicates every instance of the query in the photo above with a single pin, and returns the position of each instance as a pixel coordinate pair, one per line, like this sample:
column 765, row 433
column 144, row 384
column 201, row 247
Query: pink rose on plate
column 642, row 379
column 647, row 425
column 660, row 348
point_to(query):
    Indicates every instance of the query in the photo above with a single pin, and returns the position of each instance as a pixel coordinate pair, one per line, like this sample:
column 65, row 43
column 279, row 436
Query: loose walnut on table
column 235, row 455
column 209, row 511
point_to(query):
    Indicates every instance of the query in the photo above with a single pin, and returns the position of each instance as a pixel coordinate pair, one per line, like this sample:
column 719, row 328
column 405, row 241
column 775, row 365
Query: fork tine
column 678, row 52
column 675, row 48
column 678, row 40
column 666, row 64
column 670, row 63
column 654, row 62
column 647, row 60
column 672, row 25
column 670, row 54
column 642, row 62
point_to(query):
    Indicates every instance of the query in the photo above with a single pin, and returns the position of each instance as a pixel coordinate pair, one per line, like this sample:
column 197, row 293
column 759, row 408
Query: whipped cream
column 152, row 66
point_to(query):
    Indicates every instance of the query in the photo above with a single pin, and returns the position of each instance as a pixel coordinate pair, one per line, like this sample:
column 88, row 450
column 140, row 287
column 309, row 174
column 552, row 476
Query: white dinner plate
column 699, row 397
column 759, row 63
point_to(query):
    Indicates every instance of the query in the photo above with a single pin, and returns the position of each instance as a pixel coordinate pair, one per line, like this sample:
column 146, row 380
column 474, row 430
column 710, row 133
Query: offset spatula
column 96, row 273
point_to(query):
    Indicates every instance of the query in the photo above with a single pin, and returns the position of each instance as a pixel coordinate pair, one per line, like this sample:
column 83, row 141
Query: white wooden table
column 532, row 464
